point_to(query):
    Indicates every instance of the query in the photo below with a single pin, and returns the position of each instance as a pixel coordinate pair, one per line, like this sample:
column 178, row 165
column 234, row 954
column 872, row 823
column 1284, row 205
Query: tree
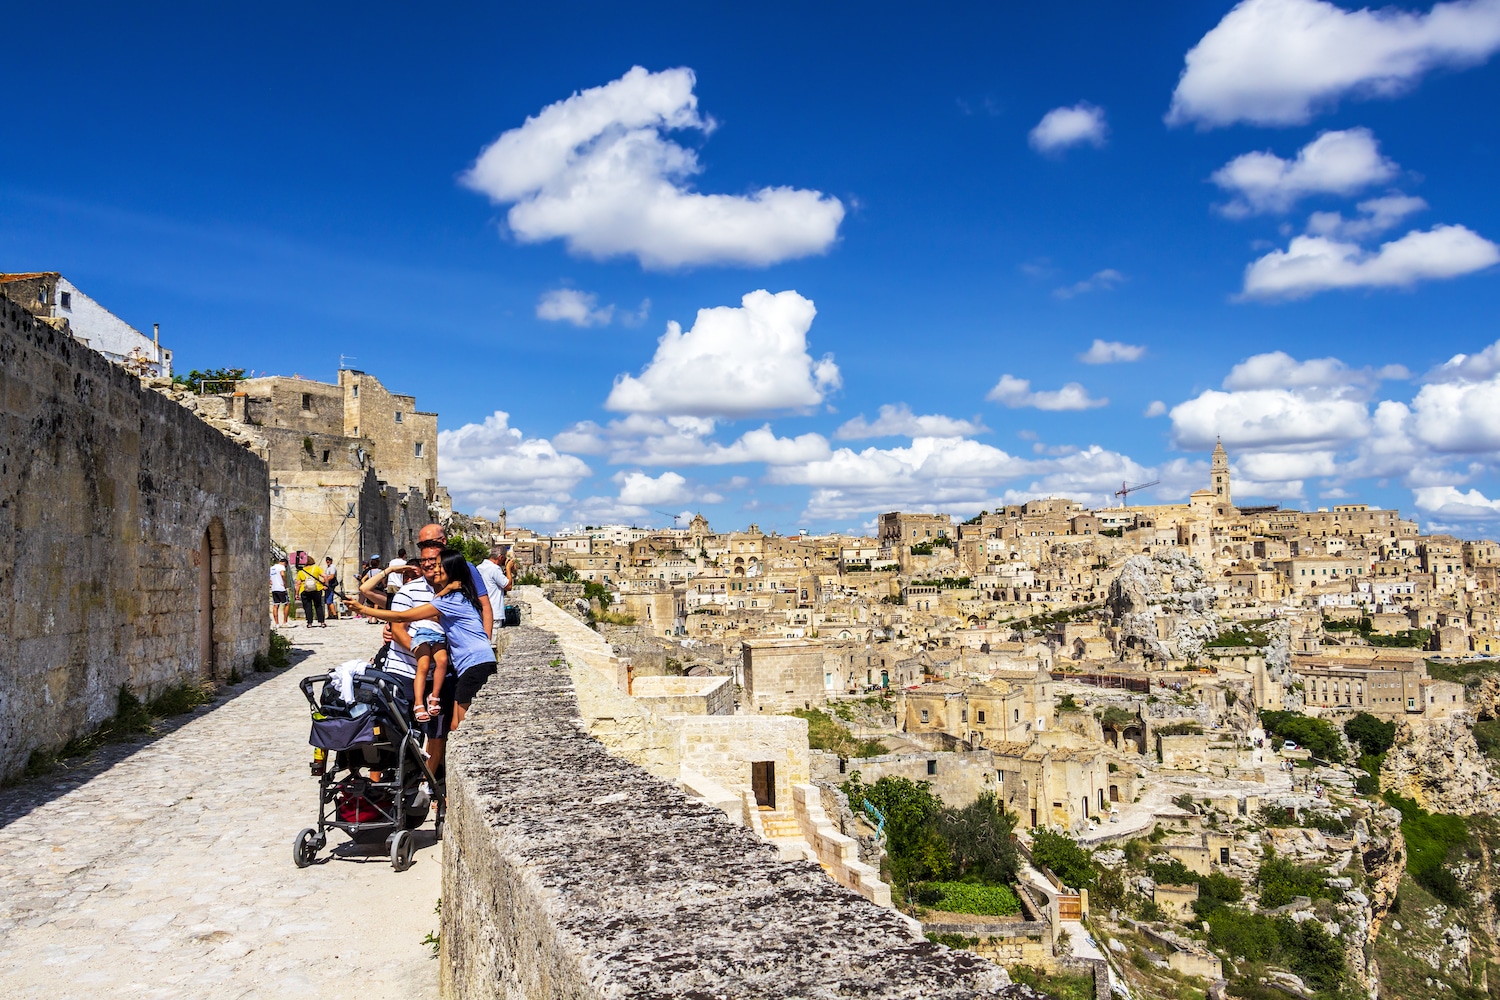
column 979, row 840
column 916, row 851
column 218, row 379
column 1373, row 736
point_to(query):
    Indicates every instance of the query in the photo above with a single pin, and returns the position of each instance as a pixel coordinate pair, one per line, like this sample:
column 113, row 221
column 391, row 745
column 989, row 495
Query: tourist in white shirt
column 495, row 581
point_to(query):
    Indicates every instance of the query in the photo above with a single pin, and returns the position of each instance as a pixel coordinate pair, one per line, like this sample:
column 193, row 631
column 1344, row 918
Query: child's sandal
column 421, row 714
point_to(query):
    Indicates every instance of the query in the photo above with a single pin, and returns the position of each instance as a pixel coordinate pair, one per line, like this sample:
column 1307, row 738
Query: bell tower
column 1221, row 475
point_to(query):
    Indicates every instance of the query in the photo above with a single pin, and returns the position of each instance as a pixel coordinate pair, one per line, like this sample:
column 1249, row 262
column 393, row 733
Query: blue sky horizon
column 801, row 267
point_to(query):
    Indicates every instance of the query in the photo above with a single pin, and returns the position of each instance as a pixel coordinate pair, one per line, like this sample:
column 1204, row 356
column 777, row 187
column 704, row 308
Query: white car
column 1289, row 745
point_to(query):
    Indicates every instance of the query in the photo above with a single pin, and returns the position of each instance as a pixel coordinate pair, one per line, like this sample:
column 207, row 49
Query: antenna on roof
column 343, row 358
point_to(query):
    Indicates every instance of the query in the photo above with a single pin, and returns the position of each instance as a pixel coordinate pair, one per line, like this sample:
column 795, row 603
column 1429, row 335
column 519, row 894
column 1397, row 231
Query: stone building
column 135, row 539
column 49, row 295
column 353, row 465
column 779, row 675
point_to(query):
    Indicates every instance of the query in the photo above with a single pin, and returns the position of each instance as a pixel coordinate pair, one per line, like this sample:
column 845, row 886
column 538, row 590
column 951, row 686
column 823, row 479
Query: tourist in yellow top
column 310, row 588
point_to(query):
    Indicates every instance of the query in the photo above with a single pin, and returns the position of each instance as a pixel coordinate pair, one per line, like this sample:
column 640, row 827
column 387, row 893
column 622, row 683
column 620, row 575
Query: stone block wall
column 570, row 872
column 119, row 511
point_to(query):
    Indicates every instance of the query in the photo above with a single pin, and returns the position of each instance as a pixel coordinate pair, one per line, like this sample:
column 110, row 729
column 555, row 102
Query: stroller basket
column 343, row 734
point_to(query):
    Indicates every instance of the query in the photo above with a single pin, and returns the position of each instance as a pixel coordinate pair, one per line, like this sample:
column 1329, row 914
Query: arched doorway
column 205, row 560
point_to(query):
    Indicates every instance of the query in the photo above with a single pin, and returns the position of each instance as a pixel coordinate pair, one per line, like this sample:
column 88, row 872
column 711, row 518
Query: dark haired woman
column 471, row 658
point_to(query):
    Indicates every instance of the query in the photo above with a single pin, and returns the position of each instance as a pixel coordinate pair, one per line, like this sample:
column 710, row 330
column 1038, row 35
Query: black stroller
column 372, row 775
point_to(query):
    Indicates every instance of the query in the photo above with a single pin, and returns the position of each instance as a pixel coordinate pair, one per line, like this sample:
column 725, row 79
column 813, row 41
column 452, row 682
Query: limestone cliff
column 1166, row 594
column 1437, row 763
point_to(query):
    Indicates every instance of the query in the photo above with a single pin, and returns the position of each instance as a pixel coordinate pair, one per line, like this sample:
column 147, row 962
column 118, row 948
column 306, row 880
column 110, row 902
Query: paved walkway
column 166, row 870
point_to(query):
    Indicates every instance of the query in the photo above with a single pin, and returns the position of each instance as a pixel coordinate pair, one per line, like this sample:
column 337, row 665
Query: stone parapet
column 570, row 872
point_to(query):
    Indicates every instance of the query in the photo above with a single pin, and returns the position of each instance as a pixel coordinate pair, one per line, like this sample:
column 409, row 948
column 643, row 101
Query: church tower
column 1221, row 476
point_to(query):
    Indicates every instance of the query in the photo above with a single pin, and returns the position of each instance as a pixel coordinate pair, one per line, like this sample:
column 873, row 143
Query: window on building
column 65, row 299
column 307, row 400
column 356, row 390
column 924, row 715
column 980, row 716
column 419, row 449
column 932, row 767
column 325, row 456
column 963, row 715
column 398, row 416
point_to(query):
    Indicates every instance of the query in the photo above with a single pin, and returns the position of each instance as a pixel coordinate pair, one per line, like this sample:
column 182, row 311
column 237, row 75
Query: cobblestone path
column 168, row 873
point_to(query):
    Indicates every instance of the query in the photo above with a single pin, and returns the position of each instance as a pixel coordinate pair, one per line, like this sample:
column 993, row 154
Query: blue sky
column 1284, row 212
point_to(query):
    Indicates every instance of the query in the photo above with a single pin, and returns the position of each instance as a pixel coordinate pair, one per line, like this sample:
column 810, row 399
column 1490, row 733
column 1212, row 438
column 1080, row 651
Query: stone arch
column 215, row 636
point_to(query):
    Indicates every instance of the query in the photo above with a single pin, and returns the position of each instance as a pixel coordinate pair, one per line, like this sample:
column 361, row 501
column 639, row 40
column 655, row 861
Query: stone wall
column 570, row 872
column 119, row 510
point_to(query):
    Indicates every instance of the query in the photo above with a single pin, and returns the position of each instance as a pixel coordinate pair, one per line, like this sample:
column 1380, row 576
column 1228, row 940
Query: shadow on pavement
column 17, row 800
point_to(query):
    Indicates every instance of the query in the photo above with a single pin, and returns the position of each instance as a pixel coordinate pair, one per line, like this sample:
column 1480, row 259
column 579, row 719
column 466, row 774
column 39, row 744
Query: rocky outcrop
column 1438, row 764
column 1166, row 594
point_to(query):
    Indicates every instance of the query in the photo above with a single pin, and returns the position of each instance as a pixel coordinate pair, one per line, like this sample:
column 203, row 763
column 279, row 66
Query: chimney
column 156, row 339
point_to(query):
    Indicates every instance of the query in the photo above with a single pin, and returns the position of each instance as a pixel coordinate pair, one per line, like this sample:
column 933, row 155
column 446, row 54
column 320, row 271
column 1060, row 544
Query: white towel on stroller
column 343, row 676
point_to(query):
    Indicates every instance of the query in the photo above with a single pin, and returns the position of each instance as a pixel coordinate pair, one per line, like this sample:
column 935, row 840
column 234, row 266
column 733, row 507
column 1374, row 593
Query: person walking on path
column 456, row 605
column 310, row 590
column 280, row 605
column 492, row 571
column 330, row 586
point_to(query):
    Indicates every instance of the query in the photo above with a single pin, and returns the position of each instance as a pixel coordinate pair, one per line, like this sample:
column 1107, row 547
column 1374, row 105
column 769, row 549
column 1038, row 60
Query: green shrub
column 1281, row 880
column 1224, row 888
column 279, row 654
column 1172, row 872
column 1068, row 861
column 1109, row 889
column 1373, row 736
column 1367, row 784
column 1487, row 735
column 965, row 897
column 1067, row 704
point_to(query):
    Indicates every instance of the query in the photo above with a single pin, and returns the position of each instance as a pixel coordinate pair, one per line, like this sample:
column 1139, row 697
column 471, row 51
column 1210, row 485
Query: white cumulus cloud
column 1107, row 352
column 1450, row 502
column 1376, row 215
column 897, row 420
column 1279, row 370
column 639, row 489
column 1267, row 419
column 1468, row 367
column 597, row 171
column 491, row 464
column 1313, row 264
column 735, row 361
column 1063, row 127
column 1333, row 163
column 1017, row 392
column 1157, row 408
column 568, row 305
column 1278, row 62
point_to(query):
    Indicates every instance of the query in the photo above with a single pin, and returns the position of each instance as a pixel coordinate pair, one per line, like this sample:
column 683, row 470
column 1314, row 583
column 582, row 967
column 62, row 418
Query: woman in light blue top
column 471, row 659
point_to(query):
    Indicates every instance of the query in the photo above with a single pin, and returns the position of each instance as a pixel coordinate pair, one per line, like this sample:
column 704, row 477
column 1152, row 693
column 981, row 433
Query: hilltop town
column 1138, row 678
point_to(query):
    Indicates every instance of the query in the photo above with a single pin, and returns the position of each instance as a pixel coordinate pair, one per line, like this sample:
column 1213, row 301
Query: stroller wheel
column 305, row 847
column 402, row 844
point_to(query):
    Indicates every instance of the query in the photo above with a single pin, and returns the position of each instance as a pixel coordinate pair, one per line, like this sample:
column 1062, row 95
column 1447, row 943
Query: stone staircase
column 784, row 830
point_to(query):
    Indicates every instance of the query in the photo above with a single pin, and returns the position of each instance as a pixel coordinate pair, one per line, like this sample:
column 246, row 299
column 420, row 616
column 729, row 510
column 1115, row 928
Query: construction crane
column 1128, row 488
column 675, row 517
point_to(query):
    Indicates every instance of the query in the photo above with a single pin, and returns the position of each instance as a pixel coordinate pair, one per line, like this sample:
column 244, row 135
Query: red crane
column 1128, row 488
